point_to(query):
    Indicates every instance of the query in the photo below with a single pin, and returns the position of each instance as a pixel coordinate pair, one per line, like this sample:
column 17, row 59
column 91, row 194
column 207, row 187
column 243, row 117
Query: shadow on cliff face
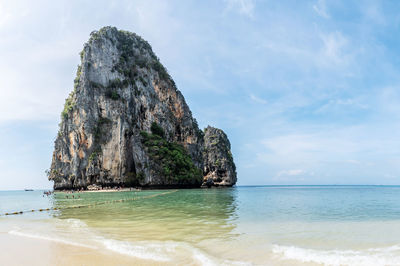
column 184, row 215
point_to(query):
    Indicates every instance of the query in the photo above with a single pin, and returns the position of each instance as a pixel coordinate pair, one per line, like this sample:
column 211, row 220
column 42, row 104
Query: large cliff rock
column 125, row 123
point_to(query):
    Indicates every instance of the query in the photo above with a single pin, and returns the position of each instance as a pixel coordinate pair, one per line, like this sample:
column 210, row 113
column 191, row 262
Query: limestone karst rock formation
column 218, row 165
column 126, row 124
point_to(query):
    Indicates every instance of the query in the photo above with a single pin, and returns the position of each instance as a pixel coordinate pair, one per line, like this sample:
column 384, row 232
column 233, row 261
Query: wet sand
column 19, row 250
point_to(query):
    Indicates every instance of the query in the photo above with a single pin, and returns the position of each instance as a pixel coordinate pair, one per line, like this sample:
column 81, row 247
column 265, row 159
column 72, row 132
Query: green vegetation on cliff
column 68, row 106
column 70, row 101
column 174, row 162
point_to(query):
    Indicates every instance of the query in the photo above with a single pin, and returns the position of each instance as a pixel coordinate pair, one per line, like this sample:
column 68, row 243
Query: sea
column 244, row 225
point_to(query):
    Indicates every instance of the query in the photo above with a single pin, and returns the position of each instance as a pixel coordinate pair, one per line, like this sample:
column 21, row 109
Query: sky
column 307, row 91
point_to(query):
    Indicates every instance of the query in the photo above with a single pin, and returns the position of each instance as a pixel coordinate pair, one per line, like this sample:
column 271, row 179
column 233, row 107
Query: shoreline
column 98, row 190
column 136, row 189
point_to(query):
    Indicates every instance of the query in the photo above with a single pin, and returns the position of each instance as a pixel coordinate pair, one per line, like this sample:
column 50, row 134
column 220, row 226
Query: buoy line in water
column 89, row 205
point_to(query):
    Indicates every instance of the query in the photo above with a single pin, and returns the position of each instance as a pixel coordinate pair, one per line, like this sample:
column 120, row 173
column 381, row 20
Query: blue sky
column 308, row 91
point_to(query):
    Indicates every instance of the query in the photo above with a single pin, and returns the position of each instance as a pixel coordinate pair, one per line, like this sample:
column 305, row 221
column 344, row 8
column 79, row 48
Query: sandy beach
column 46, row 252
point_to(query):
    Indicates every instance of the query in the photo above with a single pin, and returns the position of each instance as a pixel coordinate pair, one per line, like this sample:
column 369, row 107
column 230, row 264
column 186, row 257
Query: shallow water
column 270, row 225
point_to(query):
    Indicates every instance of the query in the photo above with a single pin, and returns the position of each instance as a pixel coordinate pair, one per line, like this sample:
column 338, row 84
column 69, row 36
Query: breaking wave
column 374, row 256
column 166, row 252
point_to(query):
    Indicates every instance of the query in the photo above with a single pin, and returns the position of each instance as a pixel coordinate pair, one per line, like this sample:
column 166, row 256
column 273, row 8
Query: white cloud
column 257, row 99
column 342, row 105
column 243, row 7
column 31, row 85
column 325, row 154
column 293, row 145
column 292, row 172
column 290, row 176
column 334, row 48
column 391, row 176
column 323, row 145
column 39, row 59
column 353, row 161
column 320, row 9
column 389, row 101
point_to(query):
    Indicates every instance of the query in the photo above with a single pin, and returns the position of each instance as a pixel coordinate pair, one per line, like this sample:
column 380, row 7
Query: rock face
column 126, row 124
column 219, row 168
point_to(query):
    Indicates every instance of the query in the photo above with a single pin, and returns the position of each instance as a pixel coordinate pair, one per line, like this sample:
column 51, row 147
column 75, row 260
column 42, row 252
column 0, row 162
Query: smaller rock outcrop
column 219, row 168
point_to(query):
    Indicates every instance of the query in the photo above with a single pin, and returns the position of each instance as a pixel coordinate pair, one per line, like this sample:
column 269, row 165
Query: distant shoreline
column 98, row 190
column 137, row 189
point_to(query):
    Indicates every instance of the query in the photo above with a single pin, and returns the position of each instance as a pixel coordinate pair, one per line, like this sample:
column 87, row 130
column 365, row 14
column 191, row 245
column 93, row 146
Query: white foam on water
column 207, row 260
column 49, row 238
column 203, row 259
column 76, row 223
column 168, row 251
column 374, row 256
column 386, row 249
column 155, row 252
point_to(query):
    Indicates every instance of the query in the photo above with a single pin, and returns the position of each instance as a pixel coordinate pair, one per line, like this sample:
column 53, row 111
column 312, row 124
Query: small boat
column 26, row 189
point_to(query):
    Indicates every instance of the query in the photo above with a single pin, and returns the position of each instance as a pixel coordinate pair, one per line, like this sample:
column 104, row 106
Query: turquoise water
column 277, row 225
